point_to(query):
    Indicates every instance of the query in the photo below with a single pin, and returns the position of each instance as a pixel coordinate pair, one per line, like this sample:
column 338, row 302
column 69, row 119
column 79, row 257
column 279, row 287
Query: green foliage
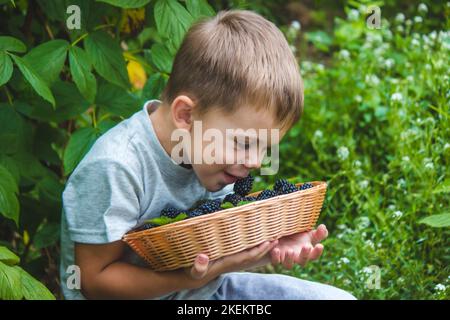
column 162, row 220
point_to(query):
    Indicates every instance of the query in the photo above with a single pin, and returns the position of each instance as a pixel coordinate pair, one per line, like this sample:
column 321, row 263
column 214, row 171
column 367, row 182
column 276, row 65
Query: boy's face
column 231, row 144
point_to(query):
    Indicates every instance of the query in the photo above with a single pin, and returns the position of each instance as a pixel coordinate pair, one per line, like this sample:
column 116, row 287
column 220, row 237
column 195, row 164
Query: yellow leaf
column 26, row 237
column 137, row 74
column 132, row 20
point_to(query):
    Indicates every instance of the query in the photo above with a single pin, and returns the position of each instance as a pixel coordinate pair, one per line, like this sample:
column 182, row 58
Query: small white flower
column 410, row 78
column 372, row 79
column 428, row 163
column 427, row 67
column 423, row 8
column 296, row 25
column 397, row 97
column 418, row 19
column 364, row 222
column 318, row 134
column 415, row 42
column 367, row 270
column 358, row 98
column 363, row 184
column 391, row 207
column 370, row 244
column 440, row 287
column 344, row 260
column 389, row 63
column 397, row 214
column 405, row 159
column 408, row 22
column 400, row 29
column 400, row 17
column 341, row 226
column 447, row 146
column 353, row 15
column 357, row 163
column 401, row 183
column 344, row 54
column 343, row 153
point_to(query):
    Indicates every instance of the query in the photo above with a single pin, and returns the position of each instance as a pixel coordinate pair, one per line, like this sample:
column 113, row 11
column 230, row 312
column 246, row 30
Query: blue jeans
column 260, row 286
column 265, row 286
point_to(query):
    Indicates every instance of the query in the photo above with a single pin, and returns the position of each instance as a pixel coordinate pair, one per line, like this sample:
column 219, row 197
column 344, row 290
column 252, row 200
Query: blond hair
column 234, row 59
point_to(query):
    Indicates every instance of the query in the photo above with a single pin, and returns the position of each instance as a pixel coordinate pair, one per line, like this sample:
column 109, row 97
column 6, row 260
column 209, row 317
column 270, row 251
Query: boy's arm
column 105, row 276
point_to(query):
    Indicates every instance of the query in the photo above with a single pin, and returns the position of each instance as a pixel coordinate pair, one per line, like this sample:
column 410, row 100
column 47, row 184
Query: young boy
column 235, row 70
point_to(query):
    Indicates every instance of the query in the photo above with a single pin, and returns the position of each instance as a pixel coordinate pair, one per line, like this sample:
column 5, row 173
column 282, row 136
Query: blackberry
column 249, row 198
column 266, row 194
column 305, row 186
column 194, row 213
column 146, row 226
column 243, row 186
column 282, row 186
column 210, row 206
column 170, row 212
column 233, row 198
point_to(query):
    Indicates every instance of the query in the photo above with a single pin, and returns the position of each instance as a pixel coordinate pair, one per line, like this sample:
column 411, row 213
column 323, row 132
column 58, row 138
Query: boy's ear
column 182, row 110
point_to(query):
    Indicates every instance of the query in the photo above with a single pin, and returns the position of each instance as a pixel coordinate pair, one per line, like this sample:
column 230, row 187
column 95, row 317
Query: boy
column 232, row 71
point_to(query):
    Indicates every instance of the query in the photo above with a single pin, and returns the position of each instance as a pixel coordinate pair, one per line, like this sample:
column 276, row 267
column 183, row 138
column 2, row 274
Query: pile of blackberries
column 241, row 189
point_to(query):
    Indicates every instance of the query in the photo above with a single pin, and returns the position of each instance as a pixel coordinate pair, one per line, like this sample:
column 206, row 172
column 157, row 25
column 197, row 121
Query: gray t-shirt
column 126, row 178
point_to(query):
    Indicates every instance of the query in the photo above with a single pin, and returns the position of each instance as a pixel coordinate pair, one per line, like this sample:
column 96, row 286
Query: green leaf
column 10, row 282
column 32, row 289
column 320, row 39
column 79, row 144
column 70, row 103
column 46, row 236
column 12, row 44
column 226, row 205
column 48, row 59
column 166, row 220
column 80, row 67
column 443, row 187
column 117, row 100
column 8, row 257
column 437, row 220
column 161, row 57
column 34, row 79
column 199, row 8
column 9, row 205
column 127, row 4
column 154, row 86
column 6, row 68
column 107, row 59
column 172, row 20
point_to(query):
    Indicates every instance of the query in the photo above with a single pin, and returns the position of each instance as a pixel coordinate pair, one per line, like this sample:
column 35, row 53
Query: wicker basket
column 228, row 231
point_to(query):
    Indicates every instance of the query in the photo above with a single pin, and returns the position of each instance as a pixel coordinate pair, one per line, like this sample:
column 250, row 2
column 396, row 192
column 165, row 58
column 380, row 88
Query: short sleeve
column 101, row 201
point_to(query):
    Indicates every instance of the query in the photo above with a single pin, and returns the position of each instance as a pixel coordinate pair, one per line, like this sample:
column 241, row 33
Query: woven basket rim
column 223, row 213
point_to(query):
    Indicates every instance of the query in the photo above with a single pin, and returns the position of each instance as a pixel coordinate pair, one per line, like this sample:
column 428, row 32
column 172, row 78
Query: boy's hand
column 256, row 256
column 299, row 248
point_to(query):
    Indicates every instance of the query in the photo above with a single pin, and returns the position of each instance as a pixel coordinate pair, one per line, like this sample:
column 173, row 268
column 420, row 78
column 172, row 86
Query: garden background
column 376, row 127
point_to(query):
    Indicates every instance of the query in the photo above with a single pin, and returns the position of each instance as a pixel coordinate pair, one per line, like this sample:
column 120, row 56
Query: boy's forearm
column 121, row 280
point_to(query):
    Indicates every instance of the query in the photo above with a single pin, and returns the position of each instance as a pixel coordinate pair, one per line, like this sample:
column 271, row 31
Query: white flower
column 358, row 98
column 341, row 226
column 410, row 78
column 370, row 243
column 343, row 153
column 397, row 214
column 344, row 54
column 363, row 184
column 447, row 146
column 397, row 96
column 400, row 29
column 401, row 183
column 389, row 63
column 440, row 287
column 372, row 79
column 357, row 163
column 408, row 22
column 428, row 163
column 364, row 222
column 296, row 25
column 318, row 134
column 423, row 8
column 427, row 67
column 418, row 19
column 391, row 207
column 344, row 260
column 415, row 42
column 405, row 159
column 400, row 17
column 353, row 15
